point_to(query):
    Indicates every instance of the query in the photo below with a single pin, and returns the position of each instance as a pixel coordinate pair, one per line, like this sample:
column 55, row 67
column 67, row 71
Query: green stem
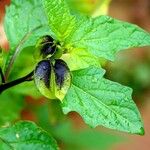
column 17, row 51
column 8, row 85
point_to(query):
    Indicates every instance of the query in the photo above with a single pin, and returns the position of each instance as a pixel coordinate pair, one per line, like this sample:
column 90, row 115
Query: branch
column 2, row 75
column 8, row 85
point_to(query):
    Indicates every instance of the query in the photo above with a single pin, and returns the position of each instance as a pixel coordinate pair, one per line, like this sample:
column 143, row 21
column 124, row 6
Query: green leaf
column 104, row 36
column 25, row 22
column 10, row 107
column 23, row 64
column 25, row 89
column 102, row 102
column 26, row 135
column 60, row 19
column 22, row 17
column 79, row 59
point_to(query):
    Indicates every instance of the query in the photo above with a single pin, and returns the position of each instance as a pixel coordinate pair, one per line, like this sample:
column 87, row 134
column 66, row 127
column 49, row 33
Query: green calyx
column 52, row 78
column 47, row 47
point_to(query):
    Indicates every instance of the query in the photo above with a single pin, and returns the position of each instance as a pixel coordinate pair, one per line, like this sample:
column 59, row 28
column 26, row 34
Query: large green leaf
column 60, row 19
column 104, row 36
column 102, row 102
column 79, row 58
column 26, row 135
column 24, row 23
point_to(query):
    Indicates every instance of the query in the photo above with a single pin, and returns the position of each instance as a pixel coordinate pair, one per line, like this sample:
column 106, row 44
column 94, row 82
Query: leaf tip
column 142, row 131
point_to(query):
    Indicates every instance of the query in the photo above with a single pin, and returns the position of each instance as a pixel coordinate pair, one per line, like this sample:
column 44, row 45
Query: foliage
column 78, row 42
column 100, row 101
column 10, row 108
column 26, row 135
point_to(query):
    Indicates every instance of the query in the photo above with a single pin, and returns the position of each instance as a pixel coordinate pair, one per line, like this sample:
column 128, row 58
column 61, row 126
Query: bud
column 45, row 48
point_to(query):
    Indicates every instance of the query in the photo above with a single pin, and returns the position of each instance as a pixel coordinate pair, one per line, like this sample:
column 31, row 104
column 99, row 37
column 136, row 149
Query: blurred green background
column 131, row 68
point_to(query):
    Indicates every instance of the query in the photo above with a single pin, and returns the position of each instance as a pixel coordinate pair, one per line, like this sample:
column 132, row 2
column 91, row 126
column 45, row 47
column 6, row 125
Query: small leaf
column 60, row 19
column 26, row 135
column 53, row 81
column 102, row 102
column 104, row 36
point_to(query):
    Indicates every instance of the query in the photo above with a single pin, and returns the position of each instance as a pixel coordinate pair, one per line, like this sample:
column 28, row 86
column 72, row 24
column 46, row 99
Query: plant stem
column 8, row 85
column 2, row 75
column 17, row 51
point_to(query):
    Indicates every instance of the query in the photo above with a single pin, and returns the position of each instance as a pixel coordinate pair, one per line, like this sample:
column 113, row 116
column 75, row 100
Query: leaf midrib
column 104, row 105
